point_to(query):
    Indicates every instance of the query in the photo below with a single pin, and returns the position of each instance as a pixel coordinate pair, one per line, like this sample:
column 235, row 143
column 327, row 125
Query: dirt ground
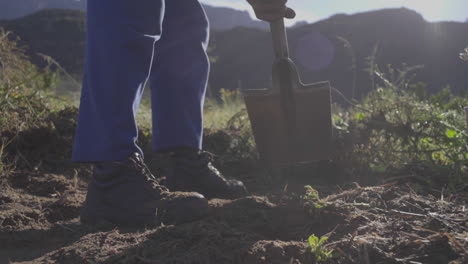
column 396, row 222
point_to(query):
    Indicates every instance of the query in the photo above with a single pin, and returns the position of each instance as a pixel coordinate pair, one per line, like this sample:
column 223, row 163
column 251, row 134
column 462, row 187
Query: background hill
column 223, row 18
column 327, row 49
column 335, row 49
column 59, row 33
column 220, row 18
column 17, row 8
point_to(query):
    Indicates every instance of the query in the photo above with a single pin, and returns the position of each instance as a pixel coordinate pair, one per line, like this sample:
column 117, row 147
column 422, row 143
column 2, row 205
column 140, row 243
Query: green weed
column 311, row 198
column 318, row 249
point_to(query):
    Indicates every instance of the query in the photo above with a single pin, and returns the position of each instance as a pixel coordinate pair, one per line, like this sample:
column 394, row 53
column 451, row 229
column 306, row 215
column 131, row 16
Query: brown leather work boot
column 128, row 194
column 193, row 170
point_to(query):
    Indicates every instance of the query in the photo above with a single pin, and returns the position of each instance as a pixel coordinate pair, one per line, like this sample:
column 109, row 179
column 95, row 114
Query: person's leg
column 179, row 77
column 120, row 41
column 178, row 84
column 121, row 37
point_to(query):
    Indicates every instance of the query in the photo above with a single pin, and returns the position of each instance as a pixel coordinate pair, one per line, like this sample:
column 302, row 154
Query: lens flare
column 314, row 51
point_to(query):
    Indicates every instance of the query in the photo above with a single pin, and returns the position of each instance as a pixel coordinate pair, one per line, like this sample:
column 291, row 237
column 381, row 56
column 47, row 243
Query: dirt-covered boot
column 126, row 193
column 193, row 170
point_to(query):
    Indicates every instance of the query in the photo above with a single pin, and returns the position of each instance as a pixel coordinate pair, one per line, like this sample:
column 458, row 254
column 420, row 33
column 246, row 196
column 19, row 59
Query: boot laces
column 139, row 165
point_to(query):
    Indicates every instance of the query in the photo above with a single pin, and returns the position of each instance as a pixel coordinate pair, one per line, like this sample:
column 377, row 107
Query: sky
column 314, row 10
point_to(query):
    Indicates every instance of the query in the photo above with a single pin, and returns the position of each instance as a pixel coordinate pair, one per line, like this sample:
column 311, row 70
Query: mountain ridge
column 221, row 18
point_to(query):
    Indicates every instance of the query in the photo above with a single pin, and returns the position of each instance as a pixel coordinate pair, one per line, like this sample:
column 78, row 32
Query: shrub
column 25, row 104
column 397, row 125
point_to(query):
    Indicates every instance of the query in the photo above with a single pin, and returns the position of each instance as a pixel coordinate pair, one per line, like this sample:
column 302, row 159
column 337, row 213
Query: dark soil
column 390, row 223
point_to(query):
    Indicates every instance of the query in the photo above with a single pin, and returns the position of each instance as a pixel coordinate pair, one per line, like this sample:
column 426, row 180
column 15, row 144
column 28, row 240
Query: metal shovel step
column 291, row 121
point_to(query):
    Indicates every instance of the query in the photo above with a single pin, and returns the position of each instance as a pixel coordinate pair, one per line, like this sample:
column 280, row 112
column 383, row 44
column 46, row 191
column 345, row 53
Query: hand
column 271, row 10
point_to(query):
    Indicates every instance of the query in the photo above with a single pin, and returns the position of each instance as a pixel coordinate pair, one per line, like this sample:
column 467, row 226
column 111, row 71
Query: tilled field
column 390, row 223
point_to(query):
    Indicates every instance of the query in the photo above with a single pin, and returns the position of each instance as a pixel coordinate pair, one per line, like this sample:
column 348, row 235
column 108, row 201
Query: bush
column 26, row 107
column 397, row 125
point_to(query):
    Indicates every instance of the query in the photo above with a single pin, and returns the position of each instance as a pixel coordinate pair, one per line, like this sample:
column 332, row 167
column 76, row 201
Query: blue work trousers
column 128, row 44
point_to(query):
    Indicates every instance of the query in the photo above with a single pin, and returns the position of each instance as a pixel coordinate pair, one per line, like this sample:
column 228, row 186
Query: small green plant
column 311, row 198
column 318, row 249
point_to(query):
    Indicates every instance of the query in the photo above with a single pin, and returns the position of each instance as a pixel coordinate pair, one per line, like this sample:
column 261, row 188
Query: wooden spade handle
column 280, row 39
